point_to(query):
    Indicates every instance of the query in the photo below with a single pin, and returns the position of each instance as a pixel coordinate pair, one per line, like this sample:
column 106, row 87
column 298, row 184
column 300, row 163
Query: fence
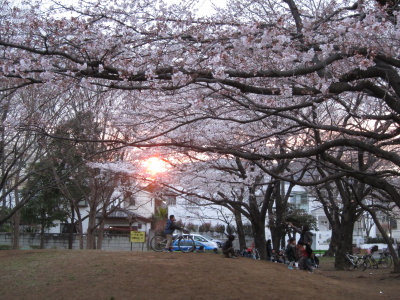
column 116, row 242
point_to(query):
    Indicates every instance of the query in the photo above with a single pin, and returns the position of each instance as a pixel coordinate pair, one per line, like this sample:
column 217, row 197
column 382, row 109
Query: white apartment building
column 187, row 212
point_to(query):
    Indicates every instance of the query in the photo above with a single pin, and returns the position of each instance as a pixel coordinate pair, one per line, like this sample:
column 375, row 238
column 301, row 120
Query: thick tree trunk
column 15, row 230
column 259, row 238
column 240, row 231
column 100, row 235
column 91, row 236
column 344, row 244
column 277, row 235
column 333, row 243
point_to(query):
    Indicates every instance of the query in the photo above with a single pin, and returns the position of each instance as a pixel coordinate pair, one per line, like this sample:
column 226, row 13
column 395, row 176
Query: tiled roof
column 122, row 213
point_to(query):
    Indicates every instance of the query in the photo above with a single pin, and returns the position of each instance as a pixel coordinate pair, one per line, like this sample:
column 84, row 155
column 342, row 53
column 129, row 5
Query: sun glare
column 155, row 165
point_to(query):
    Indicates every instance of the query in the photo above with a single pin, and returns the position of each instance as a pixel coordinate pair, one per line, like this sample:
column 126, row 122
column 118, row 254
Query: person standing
column 269, row 250
column 306, row 236
column 169, row 231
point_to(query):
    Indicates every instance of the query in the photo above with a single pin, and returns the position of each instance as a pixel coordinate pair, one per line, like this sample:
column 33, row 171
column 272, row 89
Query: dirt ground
column 84, row 274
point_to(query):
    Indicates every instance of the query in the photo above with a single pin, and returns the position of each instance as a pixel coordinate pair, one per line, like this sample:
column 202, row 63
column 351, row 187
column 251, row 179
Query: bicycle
column 369, row 261
column 184, row 242
column 249, row 252
column 385, row 259
column 354, row 261
column 255, row 254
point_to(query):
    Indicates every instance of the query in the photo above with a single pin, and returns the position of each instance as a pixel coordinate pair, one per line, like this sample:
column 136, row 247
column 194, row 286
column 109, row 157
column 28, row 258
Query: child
column 305, row 260
column 227, row 248
column 291, row 252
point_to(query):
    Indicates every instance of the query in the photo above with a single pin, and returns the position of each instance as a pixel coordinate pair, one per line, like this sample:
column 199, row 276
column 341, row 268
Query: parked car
column 219, row 243
column 200, row 241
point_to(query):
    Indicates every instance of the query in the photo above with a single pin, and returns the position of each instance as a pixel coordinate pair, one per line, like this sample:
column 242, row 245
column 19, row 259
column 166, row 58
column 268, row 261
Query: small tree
column 205, row 227
column 191, row 227
column 159, row 219
column 47, row 204
column 219, row 228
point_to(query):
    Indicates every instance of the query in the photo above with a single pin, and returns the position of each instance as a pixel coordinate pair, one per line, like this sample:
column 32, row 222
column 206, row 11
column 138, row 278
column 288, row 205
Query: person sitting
column 227, row 249
column 291, row 253
column 281, row 257
column 274, row 256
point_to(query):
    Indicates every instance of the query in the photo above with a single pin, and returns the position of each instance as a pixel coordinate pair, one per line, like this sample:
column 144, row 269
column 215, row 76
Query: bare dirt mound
column 63, row 274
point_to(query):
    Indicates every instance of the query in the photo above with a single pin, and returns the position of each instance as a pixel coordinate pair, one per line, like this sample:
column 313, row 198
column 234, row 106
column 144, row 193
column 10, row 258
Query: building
column 133, row 213
column 191, row 213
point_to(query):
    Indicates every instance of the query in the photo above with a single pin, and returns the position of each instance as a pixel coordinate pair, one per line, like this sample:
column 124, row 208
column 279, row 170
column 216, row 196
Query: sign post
column 137, row 237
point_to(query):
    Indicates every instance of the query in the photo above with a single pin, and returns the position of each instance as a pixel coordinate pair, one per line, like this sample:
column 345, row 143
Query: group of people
column 300, row 252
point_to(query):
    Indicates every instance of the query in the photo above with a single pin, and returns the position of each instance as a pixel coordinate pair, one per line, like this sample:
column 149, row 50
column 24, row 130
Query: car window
column 199, row 239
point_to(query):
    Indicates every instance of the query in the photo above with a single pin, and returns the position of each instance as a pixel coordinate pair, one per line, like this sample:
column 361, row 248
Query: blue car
column 200, row 241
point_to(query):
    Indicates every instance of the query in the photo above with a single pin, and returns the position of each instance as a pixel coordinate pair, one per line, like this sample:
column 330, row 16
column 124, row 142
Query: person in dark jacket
column 227, row 249
column 306, row 236
column 291, row 252
column 269, row 250
column 169, row 231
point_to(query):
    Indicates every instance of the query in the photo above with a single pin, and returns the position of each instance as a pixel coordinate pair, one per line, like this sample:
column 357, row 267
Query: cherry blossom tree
column 308, row 76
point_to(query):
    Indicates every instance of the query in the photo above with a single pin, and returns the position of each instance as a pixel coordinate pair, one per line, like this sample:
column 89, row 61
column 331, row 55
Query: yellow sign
column 137, row 237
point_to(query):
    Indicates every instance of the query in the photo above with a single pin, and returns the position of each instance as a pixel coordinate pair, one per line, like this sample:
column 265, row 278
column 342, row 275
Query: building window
column 191, row 201
column 170, row 200
column 130, row 198
column 300, row 201
column 304, row 199
column 66, row 227
column 83, row 203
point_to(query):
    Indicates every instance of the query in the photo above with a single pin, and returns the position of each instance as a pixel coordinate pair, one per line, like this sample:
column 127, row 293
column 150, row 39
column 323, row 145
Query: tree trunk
column 333, row 243
column 42, row 228
column 90, row 234
column 345, row 244
column 259, row 238
column 15, row 230
column 16, row 222
column 79, row 226
column 100, row 235
column 71, row 229
column 277, row 234
column 240, row 231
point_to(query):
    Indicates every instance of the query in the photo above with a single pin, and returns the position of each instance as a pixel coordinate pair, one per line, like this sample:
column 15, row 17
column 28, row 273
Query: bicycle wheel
column 374, row 263
column 366, row 264
column 389, row 260
column 384, row 262
column 158, row 243
column 256, row 255
column 359, row 263
column 186, row 244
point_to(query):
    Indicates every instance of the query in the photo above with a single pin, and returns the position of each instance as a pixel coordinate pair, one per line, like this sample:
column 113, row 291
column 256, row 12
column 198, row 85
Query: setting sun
column 155, row 165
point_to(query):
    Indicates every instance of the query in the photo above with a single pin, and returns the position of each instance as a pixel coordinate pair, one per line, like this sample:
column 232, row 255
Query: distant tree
column 205, row 227
column 47, row 205
column 159, row 219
